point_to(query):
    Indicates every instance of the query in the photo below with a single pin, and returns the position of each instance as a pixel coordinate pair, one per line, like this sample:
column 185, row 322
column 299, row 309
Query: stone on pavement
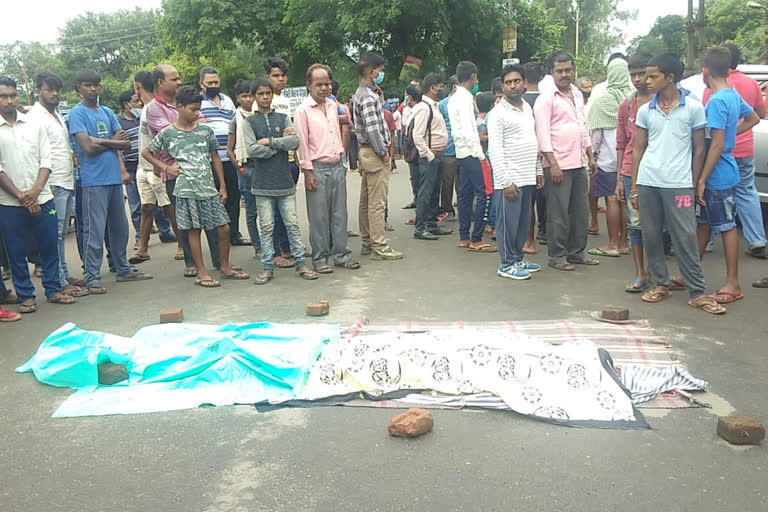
column 411, row 423
column 318, row 308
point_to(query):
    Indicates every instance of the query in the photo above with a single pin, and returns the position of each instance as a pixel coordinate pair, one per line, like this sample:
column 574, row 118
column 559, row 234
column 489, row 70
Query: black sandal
column 264, row 277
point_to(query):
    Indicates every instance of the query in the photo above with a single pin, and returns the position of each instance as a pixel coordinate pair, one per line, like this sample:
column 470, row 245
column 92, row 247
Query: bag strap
column 429, row 126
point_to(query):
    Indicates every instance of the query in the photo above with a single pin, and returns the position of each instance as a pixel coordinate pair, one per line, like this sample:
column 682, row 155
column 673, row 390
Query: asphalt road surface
column 233, row 459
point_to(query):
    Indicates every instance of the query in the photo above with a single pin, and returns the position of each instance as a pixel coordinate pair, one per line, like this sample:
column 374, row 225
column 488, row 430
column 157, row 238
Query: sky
column 50, row 15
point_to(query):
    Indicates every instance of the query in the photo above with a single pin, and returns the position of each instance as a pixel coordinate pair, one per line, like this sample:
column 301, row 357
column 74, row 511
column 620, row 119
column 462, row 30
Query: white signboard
column 295, row 96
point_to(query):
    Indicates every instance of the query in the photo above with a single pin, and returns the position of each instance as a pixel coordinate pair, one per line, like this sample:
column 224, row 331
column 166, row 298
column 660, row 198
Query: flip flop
column 636, row 286
column 762, row 283
column 677, row 285
column 281, row 262
column 625, row 251
column 75, row 291
column 324, row 268
column 565, row 267
column 585, row 261
column 726, row 297
column 179, row 256
column 10, row 298
column 61, row 298
column 133, row 276
column 350, row 265
column 263, row 278
column 241, row 242
column 352, row 234
column 207, row 283
column 27, row 308
column 307, row 274
column 708, row 305
column 236, row 275
column 593, row 232
column 97, row 289
column 529, row 251
column 597, row 251
column 190, row 272
column 483, row 247
column 137, row 258
column 658, row 294
column 463, row 244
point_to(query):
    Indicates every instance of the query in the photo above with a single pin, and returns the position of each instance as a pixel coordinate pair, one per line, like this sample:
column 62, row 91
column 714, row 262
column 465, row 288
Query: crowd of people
column 530, row 152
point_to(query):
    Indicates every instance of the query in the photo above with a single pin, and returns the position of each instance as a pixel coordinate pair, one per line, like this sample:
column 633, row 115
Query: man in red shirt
column 625, row 137
column 747, row 199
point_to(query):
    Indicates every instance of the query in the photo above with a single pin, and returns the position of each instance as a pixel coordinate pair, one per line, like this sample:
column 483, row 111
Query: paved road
column 234, row 459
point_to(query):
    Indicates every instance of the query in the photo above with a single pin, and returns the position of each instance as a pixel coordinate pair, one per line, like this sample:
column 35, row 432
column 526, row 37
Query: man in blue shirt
column 668, row 154
column 716, row 189
column 98, row 139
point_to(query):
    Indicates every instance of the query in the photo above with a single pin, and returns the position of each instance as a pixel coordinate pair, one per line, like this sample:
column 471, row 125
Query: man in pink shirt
column 746, row 197
column 564, row 142
column 325, row 180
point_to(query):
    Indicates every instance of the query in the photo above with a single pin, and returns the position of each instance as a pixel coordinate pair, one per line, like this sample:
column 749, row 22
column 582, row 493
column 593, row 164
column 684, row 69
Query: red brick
column 170, row 316
column 411, row 423
column 317, row 308
column 740, row 429
column 615, row 313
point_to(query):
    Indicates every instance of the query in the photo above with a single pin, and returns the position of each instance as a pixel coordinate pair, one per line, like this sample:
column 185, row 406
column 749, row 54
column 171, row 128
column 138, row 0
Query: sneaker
column 8, row 316
column 516, row 271
column 365, row 250
column 531, row 267
column 387, row 253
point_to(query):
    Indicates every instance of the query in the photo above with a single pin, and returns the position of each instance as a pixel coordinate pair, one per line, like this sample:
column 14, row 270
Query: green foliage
column 731, row 21
column 667, row 35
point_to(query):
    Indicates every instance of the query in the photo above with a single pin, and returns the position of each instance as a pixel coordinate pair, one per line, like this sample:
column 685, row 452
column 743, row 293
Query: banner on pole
column 411, row 67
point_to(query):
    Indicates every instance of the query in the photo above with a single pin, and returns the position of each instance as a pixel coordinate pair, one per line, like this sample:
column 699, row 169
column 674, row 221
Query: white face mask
column 136, row 112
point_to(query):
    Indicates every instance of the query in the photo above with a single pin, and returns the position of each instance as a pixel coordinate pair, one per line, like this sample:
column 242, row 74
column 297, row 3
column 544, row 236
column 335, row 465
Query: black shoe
column 424, row 235
column 409, row 206
column 440, row 231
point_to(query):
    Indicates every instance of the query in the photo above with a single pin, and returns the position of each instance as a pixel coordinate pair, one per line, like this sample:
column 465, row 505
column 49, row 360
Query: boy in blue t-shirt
column 98, row 138
column 716, row 209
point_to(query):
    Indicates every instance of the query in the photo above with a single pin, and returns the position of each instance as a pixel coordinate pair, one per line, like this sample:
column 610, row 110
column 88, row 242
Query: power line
column 103, row 41
column 111, row 32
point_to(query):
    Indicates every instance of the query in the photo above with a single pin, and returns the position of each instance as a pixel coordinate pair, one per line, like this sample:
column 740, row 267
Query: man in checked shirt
column 373, row 138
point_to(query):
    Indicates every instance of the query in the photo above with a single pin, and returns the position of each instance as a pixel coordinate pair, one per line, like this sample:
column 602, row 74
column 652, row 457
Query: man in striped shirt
column 517, row 172
column 219, row 110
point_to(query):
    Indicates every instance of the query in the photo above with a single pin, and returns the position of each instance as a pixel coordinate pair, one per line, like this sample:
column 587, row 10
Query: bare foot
column 529, row 249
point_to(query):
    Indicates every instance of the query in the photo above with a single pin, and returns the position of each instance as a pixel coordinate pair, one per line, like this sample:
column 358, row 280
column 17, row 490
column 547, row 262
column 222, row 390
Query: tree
column 668, row 35
column 22, row 60
column 730, row 21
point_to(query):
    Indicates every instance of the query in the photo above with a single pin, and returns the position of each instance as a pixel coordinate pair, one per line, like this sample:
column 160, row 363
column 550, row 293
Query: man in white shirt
column 514, row 153
column 62, row 178
column 469, row 152
column 26, row 202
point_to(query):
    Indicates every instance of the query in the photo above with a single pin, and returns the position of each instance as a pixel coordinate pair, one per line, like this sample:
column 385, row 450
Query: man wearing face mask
column 374, row 138
column 469, row 152
column 430, row 137
column 219, row 110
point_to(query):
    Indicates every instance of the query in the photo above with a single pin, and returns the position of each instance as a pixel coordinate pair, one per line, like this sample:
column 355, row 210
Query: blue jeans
column 134, row 205
column 104, row 206
column 633, row 216
column 286, row 205
column 748, row 204
column 244, row 183
column 471, row 189
column 64, row 200
column 16, row 224
column 280, row 241
column 428, row 196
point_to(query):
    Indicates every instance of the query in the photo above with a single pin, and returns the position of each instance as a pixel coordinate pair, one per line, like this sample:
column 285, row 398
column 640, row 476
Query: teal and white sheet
column 180, row 366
